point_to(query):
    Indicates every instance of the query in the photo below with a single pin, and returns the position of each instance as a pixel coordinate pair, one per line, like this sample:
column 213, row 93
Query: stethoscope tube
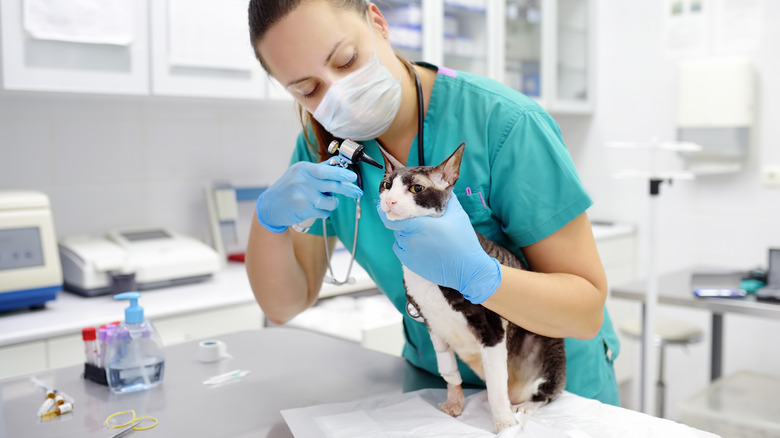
column 420, row 119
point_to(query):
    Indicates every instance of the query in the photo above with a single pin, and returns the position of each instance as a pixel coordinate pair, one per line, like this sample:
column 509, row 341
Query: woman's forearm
column 551, row 304
column 277, row 277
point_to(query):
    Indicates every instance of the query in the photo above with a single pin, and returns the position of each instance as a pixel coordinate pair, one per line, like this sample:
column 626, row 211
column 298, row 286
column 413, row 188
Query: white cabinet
column 67, row 350
column 572, row 71
column 201, row 48
column 466, row 36
column 453, row 33
column 77, row 59
column 408, row 28
column 541, row 48
column 208, row 324
column 19, row 359
column 193, row 48
column 365, row 317
column 548, row 52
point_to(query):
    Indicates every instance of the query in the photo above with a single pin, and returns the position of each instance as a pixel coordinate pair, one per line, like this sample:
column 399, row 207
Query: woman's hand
column 445, row 251
column 304, row 191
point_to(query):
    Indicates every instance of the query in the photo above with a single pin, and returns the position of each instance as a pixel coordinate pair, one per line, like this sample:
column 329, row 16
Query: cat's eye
column 416, row 188
column 386, row 185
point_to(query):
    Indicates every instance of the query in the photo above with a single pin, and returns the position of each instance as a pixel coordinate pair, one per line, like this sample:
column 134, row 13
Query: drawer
column 20, row 359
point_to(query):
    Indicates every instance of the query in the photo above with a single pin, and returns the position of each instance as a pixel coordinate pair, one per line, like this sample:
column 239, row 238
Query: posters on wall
column 702, row 27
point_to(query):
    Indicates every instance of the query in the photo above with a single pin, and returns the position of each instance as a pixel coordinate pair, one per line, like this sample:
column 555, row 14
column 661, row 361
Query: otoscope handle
column 305, row 225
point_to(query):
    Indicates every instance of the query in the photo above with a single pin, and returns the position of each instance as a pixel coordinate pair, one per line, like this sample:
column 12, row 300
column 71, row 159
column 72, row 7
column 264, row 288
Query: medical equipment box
column 740, row 405
column 157, row 257
column 30, row 270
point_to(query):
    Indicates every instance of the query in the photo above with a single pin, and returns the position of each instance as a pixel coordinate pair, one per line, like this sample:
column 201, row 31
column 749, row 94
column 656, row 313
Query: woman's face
column 317, row 44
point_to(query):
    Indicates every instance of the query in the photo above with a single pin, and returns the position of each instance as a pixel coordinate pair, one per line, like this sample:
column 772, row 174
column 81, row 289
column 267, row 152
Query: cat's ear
column 391, row 164
column 450, row 168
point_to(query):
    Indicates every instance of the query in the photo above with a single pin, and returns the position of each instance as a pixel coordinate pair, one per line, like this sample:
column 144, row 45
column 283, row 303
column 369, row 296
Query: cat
column 522, row 370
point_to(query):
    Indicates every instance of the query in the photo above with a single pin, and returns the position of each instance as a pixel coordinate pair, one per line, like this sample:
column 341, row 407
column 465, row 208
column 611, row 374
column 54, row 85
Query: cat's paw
column 505, row 423
column 527, row 407
column 454, row 404
column 453, row 408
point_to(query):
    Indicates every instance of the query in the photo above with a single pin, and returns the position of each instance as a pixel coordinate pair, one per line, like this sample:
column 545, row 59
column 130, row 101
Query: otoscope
column 349, row 153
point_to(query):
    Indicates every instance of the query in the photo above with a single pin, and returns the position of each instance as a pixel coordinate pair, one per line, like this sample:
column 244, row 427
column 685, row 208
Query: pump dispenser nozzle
column 134, row 314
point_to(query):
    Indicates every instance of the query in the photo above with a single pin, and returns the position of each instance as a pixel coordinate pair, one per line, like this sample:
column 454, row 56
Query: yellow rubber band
column 146, row 427
column 117, row 426
column 133, row 420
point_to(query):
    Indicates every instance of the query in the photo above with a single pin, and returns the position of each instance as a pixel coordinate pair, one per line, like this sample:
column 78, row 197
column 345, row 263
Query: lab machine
column 156, row 257
column 30, row 271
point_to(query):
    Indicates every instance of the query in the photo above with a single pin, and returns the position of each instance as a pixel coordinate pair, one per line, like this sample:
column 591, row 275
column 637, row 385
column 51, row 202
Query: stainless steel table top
column 289, row 368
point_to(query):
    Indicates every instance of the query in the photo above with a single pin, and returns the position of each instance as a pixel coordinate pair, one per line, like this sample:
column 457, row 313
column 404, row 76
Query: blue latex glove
column 446, row 251
column 304, row 191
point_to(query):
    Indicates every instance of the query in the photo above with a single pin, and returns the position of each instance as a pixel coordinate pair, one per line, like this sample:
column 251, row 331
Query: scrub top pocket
column 475, row 204
column 481, row 216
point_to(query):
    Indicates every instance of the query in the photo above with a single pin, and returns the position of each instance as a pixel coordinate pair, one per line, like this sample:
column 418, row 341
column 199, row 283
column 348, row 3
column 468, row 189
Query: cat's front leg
column 448, row 369
column 494, row 361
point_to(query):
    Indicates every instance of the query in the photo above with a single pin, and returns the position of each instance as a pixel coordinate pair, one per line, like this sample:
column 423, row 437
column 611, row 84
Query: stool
column 668, row 332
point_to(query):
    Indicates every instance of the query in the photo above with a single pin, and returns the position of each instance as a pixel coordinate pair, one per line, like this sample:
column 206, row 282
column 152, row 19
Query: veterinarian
column 518, row 186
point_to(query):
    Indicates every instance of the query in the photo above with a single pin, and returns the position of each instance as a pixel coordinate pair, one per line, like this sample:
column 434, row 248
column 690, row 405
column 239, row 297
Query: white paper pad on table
column 416, row 414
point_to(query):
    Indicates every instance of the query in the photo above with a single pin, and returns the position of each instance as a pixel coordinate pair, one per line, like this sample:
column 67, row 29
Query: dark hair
column 263, row 14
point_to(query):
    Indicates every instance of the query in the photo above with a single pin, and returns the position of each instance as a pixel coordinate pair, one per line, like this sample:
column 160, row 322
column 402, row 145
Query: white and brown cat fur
column 522, row 370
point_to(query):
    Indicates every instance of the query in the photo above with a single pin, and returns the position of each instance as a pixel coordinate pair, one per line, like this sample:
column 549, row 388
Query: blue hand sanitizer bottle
column 134, row 355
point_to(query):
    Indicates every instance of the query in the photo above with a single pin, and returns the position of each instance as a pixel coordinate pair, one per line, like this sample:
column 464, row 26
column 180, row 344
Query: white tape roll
column 212, row 350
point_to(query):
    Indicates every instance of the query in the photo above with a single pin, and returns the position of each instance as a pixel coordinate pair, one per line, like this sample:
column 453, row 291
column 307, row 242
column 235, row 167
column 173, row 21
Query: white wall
column 728, row 220
column 121, row 162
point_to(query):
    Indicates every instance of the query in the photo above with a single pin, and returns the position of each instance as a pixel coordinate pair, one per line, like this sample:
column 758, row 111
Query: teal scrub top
column 518, row 185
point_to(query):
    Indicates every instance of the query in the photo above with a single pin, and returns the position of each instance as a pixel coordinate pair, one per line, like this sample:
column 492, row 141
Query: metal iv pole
column 648, row 399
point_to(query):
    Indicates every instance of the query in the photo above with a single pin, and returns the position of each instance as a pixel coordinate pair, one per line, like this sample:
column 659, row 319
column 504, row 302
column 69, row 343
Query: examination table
column 289, row 369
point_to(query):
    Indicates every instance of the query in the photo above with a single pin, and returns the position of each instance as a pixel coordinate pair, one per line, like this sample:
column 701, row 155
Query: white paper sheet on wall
column 702, row 27
column 210, row 34
column 80, row 21
column 737, row 25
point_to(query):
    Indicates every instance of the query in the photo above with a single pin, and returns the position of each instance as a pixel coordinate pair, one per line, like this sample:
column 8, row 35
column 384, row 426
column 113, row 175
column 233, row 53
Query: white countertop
column 69, row 313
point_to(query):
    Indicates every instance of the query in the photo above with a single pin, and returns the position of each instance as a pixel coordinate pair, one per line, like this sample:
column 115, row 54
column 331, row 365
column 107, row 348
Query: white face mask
column 363, row 104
